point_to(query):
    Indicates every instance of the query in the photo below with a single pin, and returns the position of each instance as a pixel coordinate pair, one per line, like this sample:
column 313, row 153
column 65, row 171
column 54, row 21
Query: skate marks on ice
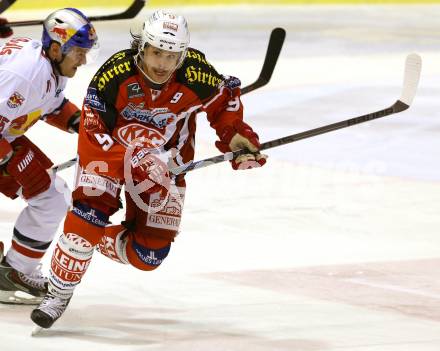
column 113, row 327
column 410, row 288
column 107, row 324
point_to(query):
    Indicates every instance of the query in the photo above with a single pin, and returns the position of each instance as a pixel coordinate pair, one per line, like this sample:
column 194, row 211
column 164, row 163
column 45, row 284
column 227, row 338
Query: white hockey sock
column 70, row 261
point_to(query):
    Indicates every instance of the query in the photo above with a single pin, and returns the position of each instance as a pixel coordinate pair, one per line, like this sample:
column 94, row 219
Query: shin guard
column 70, row 261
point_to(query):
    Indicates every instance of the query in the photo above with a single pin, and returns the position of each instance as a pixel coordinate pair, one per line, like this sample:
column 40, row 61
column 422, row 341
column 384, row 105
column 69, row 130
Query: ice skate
column 50, row 309
column 20, row 288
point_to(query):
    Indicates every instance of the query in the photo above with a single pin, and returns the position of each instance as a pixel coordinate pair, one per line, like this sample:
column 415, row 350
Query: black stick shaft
column 130, row 12
column 398, row 106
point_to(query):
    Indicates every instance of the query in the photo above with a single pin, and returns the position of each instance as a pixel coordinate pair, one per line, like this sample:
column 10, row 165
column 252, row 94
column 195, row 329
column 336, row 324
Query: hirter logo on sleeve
column 15, row 100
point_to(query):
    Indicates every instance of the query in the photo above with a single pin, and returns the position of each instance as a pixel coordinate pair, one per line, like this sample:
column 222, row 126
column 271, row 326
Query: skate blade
column 19, row 298
column 36, row 331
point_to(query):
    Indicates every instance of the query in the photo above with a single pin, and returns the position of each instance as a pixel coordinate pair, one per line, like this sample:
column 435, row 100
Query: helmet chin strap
column 153, row 84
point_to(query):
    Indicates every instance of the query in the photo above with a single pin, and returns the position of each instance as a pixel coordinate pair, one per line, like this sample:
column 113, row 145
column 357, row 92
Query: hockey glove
column 241, row 136
column 8, row 185
column 5, row 151
column 66, row 117
column 27, row 171
column 148, row 168
column 5, row 30
column 73, row 124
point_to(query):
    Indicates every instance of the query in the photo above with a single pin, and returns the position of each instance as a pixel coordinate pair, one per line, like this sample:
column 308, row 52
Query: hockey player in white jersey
column 33, row 75
column 5, row 30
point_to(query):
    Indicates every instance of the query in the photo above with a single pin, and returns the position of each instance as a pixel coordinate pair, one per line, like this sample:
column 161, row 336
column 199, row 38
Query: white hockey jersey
column 28, row 87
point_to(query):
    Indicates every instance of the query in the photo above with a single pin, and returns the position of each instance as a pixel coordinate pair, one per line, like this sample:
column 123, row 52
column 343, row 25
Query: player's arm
column 96, row 141
column 225, row 114
column 21, row 159
column 6, row 151
column 66, row 117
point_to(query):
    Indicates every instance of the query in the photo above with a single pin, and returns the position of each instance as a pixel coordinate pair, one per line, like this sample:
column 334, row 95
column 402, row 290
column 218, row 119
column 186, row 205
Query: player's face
column 159, row 64
column 75, row 57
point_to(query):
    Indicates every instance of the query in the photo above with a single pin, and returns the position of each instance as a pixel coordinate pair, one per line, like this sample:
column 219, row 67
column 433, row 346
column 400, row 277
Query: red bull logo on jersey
column 21, row 124
column 15, row 100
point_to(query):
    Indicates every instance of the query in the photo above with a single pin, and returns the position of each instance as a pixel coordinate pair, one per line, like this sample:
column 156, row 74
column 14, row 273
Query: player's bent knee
column 113, row 243
column 86, row 221
column 148, row 254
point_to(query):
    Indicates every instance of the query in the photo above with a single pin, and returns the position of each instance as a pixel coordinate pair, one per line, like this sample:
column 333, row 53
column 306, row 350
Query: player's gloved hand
column 6, row 151
column 148, row 168
column 73, row 124
column 8, row 184
column 27, row 170
column 5, row 30
column 241, row 136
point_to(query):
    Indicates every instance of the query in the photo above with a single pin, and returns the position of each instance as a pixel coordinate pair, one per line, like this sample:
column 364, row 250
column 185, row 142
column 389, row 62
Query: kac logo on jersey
column 134, row 131
column 15, row 100
column 158, row 117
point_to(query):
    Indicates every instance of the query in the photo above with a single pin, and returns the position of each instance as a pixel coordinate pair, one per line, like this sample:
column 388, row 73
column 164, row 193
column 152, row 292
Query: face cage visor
column 77, row 53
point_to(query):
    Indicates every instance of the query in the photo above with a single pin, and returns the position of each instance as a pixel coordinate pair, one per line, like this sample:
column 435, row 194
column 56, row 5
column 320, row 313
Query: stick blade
column 5, row 4
column 413, row 67
column 276, row 41
column 274, row 49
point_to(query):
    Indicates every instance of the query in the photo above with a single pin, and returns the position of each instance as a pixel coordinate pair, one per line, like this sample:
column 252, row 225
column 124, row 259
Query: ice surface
column 334, row 245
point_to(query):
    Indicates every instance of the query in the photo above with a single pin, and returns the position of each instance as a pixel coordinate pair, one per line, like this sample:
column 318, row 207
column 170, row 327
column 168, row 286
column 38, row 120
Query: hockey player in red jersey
column 33, row 75
column 139, row 115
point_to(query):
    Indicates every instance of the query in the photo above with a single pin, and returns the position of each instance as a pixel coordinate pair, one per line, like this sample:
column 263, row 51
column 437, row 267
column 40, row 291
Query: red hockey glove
column 66, row 117
column 149, row 168
column 8, row 185
column 5, row 30
column 5, row 151
column 241, row 136
column 27, row 170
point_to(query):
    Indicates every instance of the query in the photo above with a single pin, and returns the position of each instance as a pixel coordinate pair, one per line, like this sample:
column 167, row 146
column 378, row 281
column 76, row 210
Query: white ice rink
column 334, row 245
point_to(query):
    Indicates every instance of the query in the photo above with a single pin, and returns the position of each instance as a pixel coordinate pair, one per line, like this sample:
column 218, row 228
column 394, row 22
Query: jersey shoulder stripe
column 103, row 90
column 198, row 74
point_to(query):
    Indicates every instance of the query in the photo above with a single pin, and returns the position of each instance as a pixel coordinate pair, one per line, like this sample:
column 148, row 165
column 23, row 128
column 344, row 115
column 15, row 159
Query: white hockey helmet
column 70, row 27
column 166, row 31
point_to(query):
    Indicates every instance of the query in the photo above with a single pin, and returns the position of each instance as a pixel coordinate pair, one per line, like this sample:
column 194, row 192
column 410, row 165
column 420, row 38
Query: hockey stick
column 130, row 12
column 5, row 4
column 64, row 165
column 273, row 52
column 276, row 41
column 413, row 67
